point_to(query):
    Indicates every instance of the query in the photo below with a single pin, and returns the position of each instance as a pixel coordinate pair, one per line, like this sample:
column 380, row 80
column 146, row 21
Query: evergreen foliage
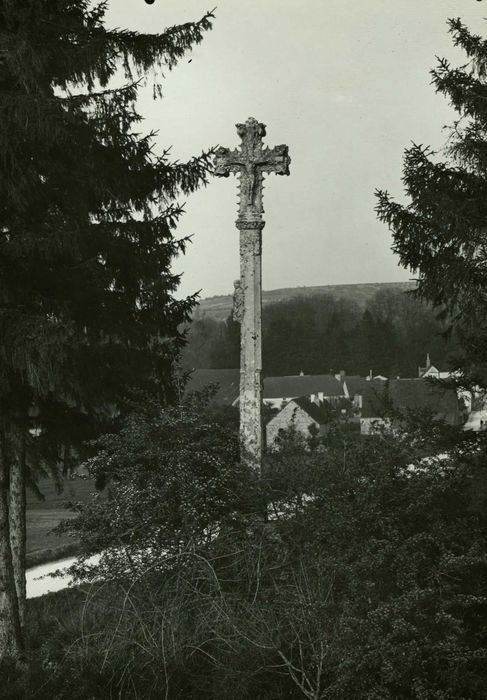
column 440, row 233
column 87, row 218
column 88, row 212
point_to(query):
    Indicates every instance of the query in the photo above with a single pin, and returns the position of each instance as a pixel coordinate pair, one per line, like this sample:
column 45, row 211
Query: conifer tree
column 87, row 218
column 441, row 233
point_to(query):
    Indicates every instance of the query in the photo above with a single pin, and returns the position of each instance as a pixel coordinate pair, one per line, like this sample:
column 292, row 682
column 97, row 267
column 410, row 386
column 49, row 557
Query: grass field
column 42, row 516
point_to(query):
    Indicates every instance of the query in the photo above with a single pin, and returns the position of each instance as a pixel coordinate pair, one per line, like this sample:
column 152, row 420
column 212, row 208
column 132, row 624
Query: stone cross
column 250, row 162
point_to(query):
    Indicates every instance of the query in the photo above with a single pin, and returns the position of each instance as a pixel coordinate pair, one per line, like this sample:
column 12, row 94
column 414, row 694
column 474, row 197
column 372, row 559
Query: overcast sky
column 345, row 83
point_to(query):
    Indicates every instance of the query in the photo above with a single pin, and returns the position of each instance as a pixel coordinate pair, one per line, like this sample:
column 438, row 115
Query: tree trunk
column 11, row 642
column 17, row 522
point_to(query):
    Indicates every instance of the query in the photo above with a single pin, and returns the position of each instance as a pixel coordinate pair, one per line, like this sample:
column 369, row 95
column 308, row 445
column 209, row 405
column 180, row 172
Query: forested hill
column 367, row 327
column 219, row 307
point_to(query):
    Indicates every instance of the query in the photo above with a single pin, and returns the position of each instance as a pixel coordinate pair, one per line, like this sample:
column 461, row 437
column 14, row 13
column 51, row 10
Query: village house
column 404, row 395
column 431, row 371
column 305, row 416
column 317, row 387
column 354, row 388
column 277, row 391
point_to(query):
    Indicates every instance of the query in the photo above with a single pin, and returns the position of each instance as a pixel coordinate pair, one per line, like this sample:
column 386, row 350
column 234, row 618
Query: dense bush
column 367, row 582
column 173, row 480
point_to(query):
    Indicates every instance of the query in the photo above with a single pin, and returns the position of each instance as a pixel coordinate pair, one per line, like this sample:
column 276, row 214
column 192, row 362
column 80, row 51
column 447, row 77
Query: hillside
column 219, row 307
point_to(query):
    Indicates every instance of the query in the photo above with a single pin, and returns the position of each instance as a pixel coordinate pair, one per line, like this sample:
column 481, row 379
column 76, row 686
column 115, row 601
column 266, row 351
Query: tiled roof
column 355, row 384
column 228, row 381
column 301, row 385
column 375, row 400
column 413, row 394
column 321, row 414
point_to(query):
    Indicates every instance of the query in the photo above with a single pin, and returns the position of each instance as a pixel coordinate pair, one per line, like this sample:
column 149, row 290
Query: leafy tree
column 198, row 352
column 174, row 481
column 87, row 218
column 391, row 336
column 369, row 580
column 402, row 542
column 277, row 355
column 366, row 349
column 225, row 349
column 440, row 233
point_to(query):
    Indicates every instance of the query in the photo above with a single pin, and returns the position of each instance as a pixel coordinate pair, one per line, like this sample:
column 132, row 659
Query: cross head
column 250, row 162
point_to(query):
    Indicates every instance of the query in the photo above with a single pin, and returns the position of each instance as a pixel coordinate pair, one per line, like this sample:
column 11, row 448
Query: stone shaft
column 250, row 163
column 251, row 345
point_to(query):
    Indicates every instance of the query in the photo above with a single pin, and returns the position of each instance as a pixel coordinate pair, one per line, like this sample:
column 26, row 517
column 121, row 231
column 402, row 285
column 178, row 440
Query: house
column 317, row 387
column 477, row 419
column 354, row 388
column 276, row 390
column 306, row 416
column 404, row 395
column 338, row 391
column 432, row 371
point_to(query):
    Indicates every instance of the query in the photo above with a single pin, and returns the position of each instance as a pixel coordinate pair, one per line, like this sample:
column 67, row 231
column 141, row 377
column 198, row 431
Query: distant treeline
column 390, row 336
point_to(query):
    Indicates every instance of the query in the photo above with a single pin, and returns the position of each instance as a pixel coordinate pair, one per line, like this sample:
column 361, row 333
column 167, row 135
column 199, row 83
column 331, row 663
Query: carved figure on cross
column 250, row 162
column 238, row 301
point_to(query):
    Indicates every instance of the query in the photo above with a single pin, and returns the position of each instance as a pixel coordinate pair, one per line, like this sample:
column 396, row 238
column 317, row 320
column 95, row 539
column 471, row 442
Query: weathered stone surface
column 237, row 311
column 250, row 162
